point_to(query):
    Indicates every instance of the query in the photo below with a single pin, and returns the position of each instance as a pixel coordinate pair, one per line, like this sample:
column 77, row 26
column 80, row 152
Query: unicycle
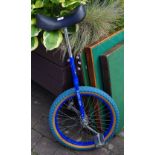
column 82, row 117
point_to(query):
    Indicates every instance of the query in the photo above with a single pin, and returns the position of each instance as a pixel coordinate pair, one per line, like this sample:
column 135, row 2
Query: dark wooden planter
column 50, row 71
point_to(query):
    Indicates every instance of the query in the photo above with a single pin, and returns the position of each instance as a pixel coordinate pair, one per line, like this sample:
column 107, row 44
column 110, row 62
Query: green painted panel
column 101, row 49
column 98, row 50
column 84, row 69
column 114, row 60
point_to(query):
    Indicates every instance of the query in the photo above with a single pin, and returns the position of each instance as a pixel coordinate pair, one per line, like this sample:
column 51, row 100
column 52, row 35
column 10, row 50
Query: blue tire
column 56, row 120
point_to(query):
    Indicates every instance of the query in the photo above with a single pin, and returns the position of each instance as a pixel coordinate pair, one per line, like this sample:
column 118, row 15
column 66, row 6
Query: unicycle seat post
column 74, row 75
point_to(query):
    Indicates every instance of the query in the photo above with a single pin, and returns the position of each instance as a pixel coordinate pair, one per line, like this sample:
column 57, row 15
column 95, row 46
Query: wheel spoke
column 68, row 127
column 102, row 123
column 63, row 120
column 99, row 111
column 66, row 115
column 69, row 121
column 87, row 103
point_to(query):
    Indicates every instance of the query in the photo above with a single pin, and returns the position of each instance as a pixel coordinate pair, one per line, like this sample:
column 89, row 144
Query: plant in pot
column 103, row 18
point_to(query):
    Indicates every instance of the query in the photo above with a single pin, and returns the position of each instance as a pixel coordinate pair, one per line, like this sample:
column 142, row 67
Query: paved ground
column 42, row 141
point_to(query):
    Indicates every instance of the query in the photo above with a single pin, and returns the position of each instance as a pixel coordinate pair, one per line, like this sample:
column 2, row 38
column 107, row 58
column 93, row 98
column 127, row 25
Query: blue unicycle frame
column 75, row 77
column 50, row 24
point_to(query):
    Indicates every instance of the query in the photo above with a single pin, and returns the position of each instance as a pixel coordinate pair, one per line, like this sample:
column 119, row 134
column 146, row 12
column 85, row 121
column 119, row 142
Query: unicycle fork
column 75, row 78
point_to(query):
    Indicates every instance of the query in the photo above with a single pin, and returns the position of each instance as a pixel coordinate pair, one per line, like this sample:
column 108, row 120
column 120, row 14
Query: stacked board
column 94, row 51
column 93, row 70
column 112, row 68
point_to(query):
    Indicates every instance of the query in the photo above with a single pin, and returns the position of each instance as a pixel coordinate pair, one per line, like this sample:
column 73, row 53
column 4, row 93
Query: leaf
column 38, row 4
column 46, row 1
column 33, row 1
column 44, row 11
column 52, row 40
column 73, row 3
column 70, row 3
column 34, row 31
column 57, row 1
column 33, row 21
column 34, row 43
column 73, row 29
column 64, row 12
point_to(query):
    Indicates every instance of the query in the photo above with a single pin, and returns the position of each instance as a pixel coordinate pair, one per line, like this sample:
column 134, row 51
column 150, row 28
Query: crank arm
column 91, row 129
column 98, row 138
column 71, row 107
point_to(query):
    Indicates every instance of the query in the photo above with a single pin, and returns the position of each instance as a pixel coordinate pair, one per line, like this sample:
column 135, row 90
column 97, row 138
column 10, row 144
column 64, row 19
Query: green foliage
column 34, row 31
column 51, row 8
column 52, row 40
column 38, row 4
column 33, row 21
column 100, row 21
column 103, row 17
column 72, row 3
column 34, row 43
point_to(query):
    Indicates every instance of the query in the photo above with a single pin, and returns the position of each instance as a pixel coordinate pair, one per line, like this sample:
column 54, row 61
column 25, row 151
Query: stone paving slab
column 38, row 106
column 35, row 117
column 41, row 101
column 43, row 128
column 100, row 151
column 116, row 146
column 61, row 152
column 35, row 138
column 48, row 147
column 42, row 141
column 45, row 147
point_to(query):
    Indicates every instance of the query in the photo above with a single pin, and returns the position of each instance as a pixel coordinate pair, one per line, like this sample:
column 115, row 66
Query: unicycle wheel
column 64, row 118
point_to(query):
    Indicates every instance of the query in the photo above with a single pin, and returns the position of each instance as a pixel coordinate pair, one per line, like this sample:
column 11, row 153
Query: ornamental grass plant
column 101, row 20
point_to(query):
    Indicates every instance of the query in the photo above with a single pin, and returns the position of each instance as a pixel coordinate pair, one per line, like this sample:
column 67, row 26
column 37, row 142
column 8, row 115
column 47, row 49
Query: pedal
column 99, row 140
